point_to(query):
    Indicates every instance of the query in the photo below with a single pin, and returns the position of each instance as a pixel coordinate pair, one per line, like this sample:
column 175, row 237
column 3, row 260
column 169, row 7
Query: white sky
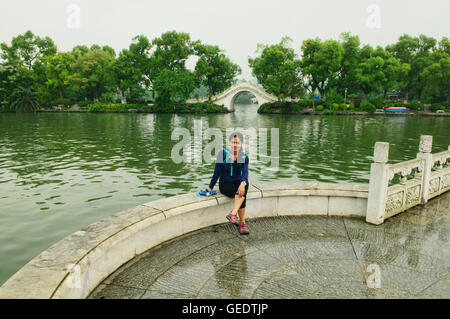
column 235, row 25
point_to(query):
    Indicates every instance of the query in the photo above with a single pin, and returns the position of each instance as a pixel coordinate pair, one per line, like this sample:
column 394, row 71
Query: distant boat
column 401, row 109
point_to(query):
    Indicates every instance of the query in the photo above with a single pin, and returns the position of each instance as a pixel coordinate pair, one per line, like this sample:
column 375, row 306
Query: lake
column 60, row 172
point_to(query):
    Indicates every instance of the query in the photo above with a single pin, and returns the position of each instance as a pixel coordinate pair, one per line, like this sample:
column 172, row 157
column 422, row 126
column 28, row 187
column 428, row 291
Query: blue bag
column 206, row 192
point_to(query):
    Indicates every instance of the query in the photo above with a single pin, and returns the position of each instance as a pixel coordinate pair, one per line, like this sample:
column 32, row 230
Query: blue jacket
column 230, row 171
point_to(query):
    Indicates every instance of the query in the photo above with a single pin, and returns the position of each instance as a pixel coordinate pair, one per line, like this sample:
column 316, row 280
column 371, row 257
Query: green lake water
column 60, row 172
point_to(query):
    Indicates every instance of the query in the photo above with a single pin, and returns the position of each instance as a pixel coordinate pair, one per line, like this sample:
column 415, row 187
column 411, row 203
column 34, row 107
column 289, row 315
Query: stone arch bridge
column 228, row 96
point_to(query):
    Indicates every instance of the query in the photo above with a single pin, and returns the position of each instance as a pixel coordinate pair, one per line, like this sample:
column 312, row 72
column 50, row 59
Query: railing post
column 378, row 184
column 425, row 146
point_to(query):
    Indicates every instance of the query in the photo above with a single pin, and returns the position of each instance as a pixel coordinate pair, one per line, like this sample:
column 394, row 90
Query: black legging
column 230, row 189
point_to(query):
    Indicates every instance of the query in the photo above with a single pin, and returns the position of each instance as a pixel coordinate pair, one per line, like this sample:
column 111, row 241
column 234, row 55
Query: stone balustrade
column 420, row 179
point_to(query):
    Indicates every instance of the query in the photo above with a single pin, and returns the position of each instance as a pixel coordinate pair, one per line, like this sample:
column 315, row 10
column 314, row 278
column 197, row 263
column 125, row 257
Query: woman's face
column 235, row 144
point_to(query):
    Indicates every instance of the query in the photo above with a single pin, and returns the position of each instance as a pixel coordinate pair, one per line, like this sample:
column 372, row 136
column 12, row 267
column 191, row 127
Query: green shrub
column 114, row 106
column 263, row 108
column 281, row 107
column 319, row 108
column 201, row 107
column 357, row 103
column 97, row 107
column 163, row 105
column 62, row 101
column 85, row 103
column 181, row 108
column 197, row 108
column 333, row 97
column 436, row 106
column 377, row 101
column 363, row 105
column 212, row 108
column 291, row 107
column 329, row 112
column 335, row 107
column 343, row 107
column 107, row 97
column 371, row 108
column 367, row 107
column 125, row 107
column 311, row 102
column 415, row 105
column 304, row 104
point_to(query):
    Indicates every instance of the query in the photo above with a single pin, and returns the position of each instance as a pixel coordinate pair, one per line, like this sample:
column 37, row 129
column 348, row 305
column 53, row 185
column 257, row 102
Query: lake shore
column 303, row 112
column 354, row 113
column 182, row 108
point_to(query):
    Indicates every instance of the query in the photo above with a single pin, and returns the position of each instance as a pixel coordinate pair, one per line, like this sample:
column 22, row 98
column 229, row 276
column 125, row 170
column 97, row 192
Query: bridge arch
column 227, row 97
column 236, row 95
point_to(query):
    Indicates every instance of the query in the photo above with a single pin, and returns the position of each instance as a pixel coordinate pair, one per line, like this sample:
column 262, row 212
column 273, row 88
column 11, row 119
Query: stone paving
column 298, row 257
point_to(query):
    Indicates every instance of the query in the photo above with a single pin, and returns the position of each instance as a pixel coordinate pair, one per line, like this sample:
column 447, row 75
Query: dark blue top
column 230, row 171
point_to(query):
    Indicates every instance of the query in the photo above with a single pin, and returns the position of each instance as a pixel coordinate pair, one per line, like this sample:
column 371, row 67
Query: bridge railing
column 394, row 188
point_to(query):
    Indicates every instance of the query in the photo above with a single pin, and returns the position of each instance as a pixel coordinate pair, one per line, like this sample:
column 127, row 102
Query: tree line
column 34, row 73
column 418, row 67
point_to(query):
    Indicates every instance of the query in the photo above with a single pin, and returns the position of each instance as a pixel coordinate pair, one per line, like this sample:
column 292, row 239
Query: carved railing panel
column 407, row 192
column 401, row 197
column 439, row 182
column 404, row 169
column 394, row 204
column 441, row 160
column 440, row 174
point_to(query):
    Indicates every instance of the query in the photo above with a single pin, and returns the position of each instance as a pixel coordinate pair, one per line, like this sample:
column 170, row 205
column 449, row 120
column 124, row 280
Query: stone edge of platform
column 74, row 266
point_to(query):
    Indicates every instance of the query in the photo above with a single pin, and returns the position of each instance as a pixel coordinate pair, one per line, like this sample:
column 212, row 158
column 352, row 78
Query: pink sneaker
column 243, row 229
column 232, row 218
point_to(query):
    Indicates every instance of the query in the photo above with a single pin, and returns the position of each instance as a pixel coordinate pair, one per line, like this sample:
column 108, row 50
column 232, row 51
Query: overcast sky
column 235, row 25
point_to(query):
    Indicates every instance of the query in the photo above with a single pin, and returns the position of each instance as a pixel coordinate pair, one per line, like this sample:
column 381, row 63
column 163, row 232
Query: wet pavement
column 298, row 257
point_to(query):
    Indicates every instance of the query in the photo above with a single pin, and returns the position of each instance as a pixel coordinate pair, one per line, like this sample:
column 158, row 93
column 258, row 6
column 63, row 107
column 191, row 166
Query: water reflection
column 414, row 239
column 229, row 274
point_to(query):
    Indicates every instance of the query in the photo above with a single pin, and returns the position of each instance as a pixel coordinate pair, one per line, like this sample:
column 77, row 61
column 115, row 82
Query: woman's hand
column 241, row 190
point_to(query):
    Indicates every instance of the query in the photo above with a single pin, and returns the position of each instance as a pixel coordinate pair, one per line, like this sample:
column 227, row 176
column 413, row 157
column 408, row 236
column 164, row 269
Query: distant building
column 395, row 96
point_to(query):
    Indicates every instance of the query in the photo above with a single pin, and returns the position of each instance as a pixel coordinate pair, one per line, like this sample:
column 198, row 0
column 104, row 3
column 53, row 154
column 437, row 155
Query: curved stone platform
column 298, row 257
column 74, row 266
